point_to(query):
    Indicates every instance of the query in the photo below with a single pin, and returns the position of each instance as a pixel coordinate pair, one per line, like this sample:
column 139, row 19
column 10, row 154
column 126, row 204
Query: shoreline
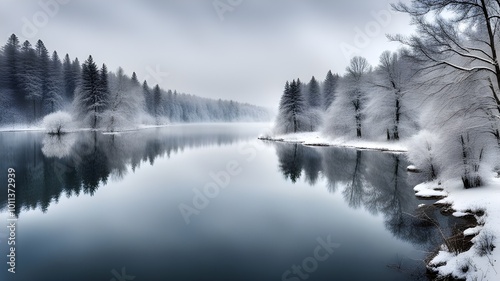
column 314, row 140
column 469, row 260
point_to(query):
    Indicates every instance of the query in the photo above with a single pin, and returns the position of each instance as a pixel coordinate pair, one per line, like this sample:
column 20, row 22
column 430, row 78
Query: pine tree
column 148, row 97
column 135, row 81
column 292, row 111
column 29, row 78
column 89, row 101
column 55, row 85
column 11, row 51
column 43, row 67
column 314, row 95
column 156, row 101
column 329, row 88
column 77, row 72
column 104, row 86
column 71, row 77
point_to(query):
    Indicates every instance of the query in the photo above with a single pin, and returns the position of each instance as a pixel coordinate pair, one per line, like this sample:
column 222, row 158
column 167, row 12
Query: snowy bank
column 317, row 139
column 480, row 262
column 477, row 257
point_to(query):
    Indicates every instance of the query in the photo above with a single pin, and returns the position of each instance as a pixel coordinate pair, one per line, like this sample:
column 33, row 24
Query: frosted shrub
column 422, row 153
column 57, row 123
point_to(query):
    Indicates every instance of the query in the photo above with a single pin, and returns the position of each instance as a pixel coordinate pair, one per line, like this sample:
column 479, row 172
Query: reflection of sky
column 259, row 226
column 265, row 42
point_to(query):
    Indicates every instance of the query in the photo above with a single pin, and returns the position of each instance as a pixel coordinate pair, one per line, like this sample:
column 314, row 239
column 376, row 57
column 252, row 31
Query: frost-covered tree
column 124, row 104
column 148, row 97
column 461, row 35
column 104, row 86
column 391, row 109
column 43, row 63
column 329, row 88
column 10, row 65
column 71, row 77
column 423, row 154
column 459, row 112
column 456, row 48
column 55, row 85
column 135, row 81
column 57, row 123
column 33, row 84
column 314, row 99
column 157, row 99
column 89, row 101
column 292, row 116
column 29, row 78
column 345, row 116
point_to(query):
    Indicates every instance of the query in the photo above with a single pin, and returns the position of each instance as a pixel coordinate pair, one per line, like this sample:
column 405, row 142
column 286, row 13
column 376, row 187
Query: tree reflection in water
column 375, row 181
column 75, row 163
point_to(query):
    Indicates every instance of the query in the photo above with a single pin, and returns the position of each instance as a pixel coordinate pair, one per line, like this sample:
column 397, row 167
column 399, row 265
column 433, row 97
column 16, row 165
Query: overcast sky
column 245, row 53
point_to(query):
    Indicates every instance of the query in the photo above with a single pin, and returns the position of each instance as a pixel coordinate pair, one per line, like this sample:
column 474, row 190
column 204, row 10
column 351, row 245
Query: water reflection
column 48, row 166
column 375, row 181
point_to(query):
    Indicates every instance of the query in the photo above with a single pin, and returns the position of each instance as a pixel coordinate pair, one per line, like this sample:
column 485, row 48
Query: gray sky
column 245, row 53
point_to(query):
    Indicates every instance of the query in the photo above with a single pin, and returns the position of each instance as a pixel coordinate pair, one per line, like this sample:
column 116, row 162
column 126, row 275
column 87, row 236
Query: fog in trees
column 35, row 83
column 390, row 108
column 329, row 89
column 440, row 89
column 299, row 109
column 457, row 57
column 346, row 116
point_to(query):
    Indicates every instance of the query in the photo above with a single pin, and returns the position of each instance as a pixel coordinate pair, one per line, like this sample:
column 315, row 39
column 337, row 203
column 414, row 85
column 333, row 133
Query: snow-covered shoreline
column 480, row 262
column 316, row 139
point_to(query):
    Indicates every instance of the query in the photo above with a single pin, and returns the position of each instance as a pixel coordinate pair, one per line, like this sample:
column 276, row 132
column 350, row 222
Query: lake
column 210, row 202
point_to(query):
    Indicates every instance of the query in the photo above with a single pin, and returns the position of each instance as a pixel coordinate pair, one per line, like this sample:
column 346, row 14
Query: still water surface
column 95, row 207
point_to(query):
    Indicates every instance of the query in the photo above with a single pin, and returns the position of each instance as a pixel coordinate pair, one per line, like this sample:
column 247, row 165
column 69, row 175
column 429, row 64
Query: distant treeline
column 35, row 83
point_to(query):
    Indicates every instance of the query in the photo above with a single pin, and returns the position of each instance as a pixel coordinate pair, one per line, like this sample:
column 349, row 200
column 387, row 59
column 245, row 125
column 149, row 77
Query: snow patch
column 316, row 139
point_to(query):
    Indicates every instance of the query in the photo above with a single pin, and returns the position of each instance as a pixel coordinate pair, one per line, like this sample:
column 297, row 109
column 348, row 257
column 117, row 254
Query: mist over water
column 104, row 202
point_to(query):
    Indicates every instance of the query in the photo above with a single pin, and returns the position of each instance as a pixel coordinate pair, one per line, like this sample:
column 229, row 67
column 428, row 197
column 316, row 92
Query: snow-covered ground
column 317, row 139
column 481, row 261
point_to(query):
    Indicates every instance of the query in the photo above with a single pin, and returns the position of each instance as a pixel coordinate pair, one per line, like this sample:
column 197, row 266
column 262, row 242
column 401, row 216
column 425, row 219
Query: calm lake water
column 209, row 202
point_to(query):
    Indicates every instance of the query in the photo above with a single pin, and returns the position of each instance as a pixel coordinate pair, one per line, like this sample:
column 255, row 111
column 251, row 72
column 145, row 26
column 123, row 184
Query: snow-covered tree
column 43, row 63
column 32, row 85
column 148, row 97
column 292, row 116
column 461, row 35
column 456, row 48
column 55, row 85
column 29, row 78
column 460, row 110
column 157, row 99
column 57, row 123
column 423, row 153
column 10, row 65
column 89, row 101
column 345, row 116
column 314, row 99
column 104, row 86
column 329, row 88
column 391, row 110
column 125, row 102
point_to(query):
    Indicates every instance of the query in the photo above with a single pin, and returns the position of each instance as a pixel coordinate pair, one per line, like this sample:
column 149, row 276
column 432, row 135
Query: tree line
column 441, row 89
column 35, row 83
